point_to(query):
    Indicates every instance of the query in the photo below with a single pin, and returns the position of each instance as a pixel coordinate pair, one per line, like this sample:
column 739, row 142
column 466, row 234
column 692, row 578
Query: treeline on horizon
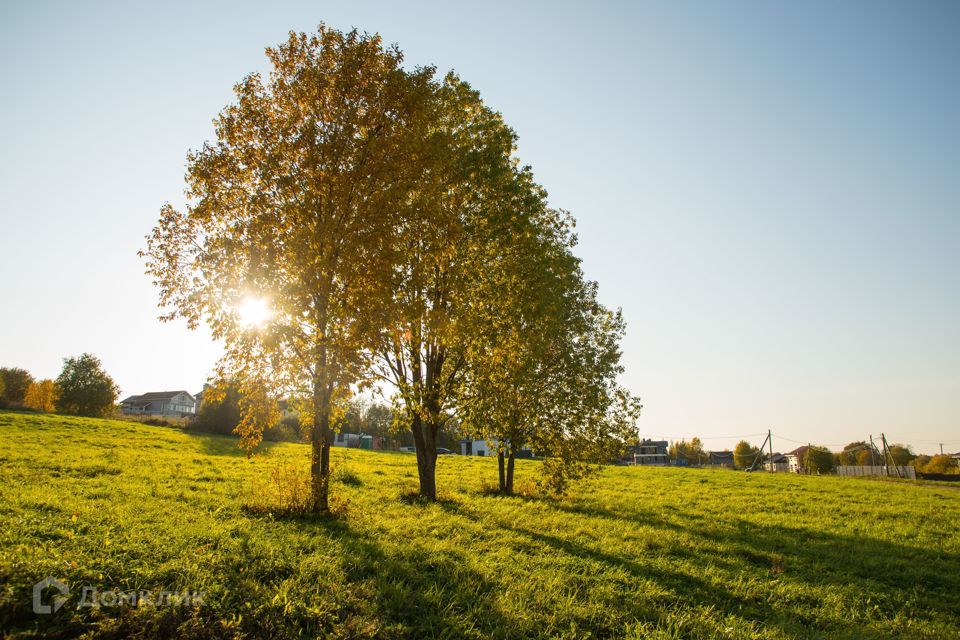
column 820, row 459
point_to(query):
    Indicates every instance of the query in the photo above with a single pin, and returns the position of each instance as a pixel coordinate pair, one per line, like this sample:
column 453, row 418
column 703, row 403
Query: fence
column 876, row 470
column 943, row 477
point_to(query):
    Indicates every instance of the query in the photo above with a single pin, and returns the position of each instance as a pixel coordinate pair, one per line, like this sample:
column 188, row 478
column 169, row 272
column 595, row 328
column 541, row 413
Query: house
column 723, row 459
column 470, row 447
column 160, row 403
column 198, row 396
column 351, row 440
column 477, row 448
column 648, row 452
column 795, row 459
column 777, row 462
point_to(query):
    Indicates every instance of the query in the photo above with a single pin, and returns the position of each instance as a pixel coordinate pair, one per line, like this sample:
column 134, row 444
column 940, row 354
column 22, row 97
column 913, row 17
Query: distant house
column 160, row 403
column 477, row 448
column 648, row 452
column 777, row 462
column 198, row 396
column 351, row 440
column 470, row 447
column 795, row 459
column 722, row 459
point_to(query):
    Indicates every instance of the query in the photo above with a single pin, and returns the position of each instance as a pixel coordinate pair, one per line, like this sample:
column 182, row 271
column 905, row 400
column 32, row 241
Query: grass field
column 637, row 553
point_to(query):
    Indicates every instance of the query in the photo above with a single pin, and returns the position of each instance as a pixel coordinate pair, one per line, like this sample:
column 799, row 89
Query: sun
column 254, row 312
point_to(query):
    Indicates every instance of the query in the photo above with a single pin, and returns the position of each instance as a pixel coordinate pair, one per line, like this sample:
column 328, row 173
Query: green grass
column 637, row 553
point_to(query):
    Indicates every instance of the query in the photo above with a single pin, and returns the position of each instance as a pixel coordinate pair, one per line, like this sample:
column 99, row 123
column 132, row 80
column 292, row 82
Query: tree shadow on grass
column 407, row 591
column 900, row 577
column 902, row 581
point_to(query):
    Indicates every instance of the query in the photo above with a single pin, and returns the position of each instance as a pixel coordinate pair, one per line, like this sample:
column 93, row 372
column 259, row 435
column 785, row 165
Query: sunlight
column 254, row 312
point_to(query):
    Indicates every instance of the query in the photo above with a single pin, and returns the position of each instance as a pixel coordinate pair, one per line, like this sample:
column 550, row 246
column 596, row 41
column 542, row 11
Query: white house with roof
column 159, row 403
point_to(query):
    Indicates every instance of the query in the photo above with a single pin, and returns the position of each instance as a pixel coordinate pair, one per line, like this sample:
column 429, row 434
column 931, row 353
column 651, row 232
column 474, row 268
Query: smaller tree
column 818, row 460
column 16, row 381
column 941, row 464
column 220, row 411
column 744, row 454
column 866, row 457
column 691, row 451
column 849, row 454
column 902, row 454
column 41, row 396
column 85, row 388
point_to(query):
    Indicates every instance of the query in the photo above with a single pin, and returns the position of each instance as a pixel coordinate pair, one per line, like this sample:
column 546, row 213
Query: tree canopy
column 14, row 383
column 357, row 220
column 84, row 388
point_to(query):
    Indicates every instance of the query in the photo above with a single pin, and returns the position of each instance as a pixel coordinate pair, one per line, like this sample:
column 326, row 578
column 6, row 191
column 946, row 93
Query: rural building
column 351, row 440
column 778, row 462
column 795, row 459
column 160, row 403
column 648, row 452
column 477, row 448
column 723, row 459
column 470, row 447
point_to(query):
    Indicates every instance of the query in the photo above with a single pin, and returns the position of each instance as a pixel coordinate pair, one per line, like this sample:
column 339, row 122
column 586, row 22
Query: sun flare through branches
column 254, row 312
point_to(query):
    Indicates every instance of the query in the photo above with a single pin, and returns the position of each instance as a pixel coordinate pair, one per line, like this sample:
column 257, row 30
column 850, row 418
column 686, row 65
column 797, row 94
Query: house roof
column 154, row 395
column 722, row 455
column 777, row 457
column 799, row 451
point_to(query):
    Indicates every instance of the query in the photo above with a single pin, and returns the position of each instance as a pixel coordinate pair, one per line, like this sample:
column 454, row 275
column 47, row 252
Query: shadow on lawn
column 899, row 578
column 409, row 591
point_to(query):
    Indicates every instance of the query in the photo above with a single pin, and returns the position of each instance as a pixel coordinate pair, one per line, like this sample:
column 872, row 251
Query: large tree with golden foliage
column 287, row 248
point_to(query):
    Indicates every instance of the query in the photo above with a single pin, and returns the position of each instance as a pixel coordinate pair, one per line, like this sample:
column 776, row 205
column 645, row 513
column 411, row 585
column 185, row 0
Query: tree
column 294, row 210
column 941, row 464
column 900, row 454
column 543, row 371
column 41, row 396
column 15, row 384
column 849, row 454
column 691, row 451
column 220, row 411
column 84, row 388
column 461, row 213
column 744, row 455
column 867, row 457
column 818, row 460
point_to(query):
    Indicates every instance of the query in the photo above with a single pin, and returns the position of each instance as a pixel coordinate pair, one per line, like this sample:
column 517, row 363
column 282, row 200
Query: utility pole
column 886, row 466
column 941, row 448
column 873, row 460
column 888, row 453
column 770, row 441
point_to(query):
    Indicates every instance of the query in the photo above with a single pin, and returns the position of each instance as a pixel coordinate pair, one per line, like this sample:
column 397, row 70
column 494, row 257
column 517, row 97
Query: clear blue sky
column 770, row 192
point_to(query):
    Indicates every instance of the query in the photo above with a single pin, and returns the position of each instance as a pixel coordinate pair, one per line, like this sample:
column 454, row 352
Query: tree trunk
column 509, row 486
column 425, row 441
column 503, row 477
column 320, row 454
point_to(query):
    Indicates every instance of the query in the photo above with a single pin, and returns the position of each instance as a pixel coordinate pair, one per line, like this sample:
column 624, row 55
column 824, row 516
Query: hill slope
column 663, row 553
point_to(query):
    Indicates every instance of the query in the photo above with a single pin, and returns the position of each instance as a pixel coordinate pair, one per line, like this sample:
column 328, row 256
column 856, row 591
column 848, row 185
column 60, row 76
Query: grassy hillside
column 658, row 553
